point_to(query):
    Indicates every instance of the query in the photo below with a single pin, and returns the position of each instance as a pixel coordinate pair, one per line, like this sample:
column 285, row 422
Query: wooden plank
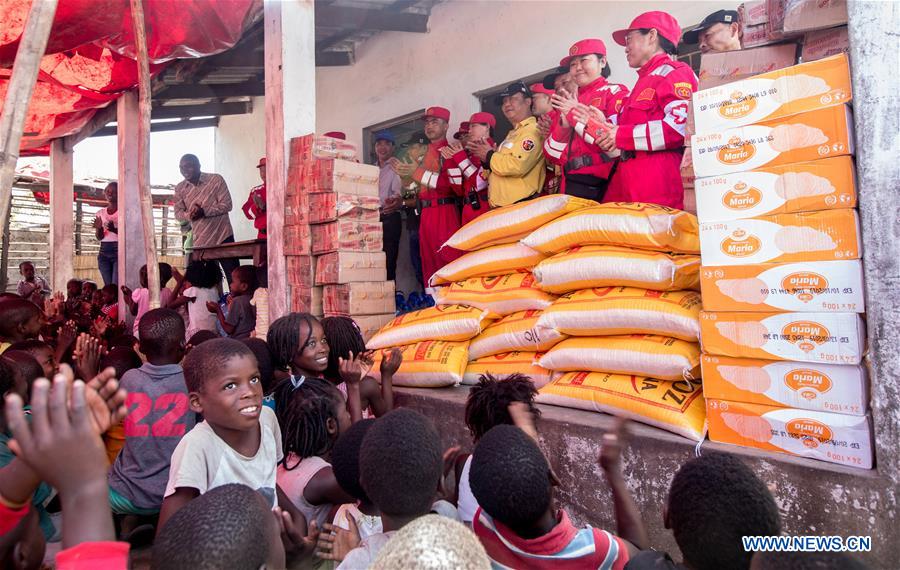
column 131, row 236
column 166, row 126
column 205, row 110
column 18, row 94
column 205, row 91
column 290, row 112
column 143, row 130
column 334, row 58
column 249, row 249
column 62, row 250
column 370, row 19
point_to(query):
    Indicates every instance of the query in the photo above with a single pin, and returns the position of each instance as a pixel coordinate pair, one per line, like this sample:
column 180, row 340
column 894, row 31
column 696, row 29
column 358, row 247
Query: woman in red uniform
column 466, row 177
column 649, row 130
column 437, row 202
column 586, row 169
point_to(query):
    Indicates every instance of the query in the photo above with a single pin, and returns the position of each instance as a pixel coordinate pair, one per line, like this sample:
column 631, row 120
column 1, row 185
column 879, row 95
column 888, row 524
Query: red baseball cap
column 485, row 118
column 336, row 135
column 583, row 47
column 438, row 112
column 262, row 162
column 463, row 129
column 539, row 88
column 665, row 24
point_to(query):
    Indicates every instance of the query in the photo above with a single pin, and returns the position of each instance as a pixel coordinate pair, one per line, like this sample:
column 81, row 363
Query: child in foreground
column 239, row 440
column 401, row 467
column 713, row 502
column 488, row 405
column 345, row 463
column 518, row 522
column 22, row 320
column 160, row 417
column 241, row 318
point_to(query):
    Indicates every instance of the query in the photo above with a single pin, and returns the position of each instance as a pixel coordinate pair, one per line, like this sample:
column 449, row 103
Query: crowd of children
column 245, row 452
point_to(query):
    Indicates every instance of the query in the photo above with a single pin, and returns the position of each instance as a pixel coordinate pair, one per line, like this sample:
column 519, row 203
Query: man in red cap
column 336, row 135
column 255, row 206
column 586, row 169
column 540, row 104
column 462, row 134
column 438, row 204
column 471, row 183
column 649, row 130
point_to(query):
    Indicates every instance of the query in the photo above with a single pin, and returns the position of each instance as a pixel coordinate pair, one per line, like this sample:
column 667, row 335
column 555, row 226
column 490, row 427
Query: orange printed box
column 826, row 184
column 306, row 300
column 296, row 209
column 301, row 270
column 825, row 286
column 798, row 138
column 829, row 235
column 836, row 438
column 333, row 206
column 346, row 235
column 350, row 267
column 831, row 338
column 836, row 388
column 297, row 240
column 774, row 95
column 345, row 177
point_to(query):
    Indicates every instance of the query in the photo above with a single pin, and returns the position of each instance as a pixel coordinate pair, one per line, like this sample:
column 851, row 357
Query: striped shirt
column 211, row 194
column 562, row 548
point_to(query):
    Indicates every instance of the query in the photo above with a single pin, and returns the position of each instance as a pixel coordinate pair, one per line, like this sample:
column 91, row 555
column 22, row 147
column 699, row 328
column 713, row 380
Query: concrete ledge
column 814, row 497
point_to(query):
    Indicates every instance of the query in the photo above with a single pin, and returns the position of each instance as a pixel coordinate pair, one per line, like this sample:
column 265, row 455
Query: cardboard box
column 718, row 68
column 801, row 138
column 754, row 12
column 334, row 206
column 826, row 184
column 346, row 235
column 371, row 324
column 301, row 270
column 808, row 236
column 342, row 176
column 313, row 146
column 805, row 15
column 837, row 438
column 297, row 240
column 306, row 300
column 352, row 299
column 756, row 36
column 350, row 267
column 809, row 386
column 825, row 43
column 773, row 95
column 822, row 286
column 831, row 338
column 296, row 209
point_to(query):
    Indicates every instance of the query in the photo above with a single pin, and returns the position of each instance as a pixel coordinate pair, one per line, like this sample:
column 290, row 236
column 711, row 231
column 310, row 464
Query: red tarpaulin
column 89, row 58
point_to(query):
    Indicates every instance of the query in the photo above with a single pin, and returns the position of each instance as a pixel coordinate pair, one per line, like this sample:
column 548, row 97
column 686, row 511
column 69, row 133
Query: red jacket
column 433, row 175
column 471, row 177
column 564, row 145
column 650, row 134
column 258, row 193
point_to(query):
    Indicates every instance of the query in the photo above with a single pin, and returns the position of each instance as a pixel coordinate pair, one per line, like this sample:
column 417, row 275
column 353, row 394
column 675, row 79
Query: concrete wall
column 240, row 141
column 473, row 46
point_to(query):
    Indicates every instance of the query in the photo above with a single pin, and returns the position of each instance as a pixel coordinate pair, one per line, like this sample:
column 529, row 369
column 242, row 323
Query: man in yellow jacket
column 516, row 167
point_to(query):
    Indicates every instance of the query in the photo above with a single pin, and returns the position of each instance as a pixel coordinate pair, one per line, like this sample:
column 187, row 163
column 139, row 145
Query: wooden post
column 131, row 235
column 79, row 226
column 143, row 132
column 290, row 71
column 62, row 251
column 18, row 94
column 164, row 233
column 4, row 253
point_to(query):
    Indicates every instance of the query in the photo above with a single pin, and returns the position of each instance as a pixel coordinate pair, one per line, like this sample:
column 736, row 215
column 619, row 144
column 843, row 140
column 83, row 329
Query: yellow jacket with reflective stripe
column 517, row 166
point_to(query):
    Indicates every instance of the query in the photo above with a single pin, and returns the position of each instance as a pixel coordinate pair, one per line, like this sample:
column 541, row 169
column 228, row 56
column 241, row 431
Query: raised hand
column 391, row 362
column 67, row 335
column 212, row 306
column 613, row 442
column 87, row 355
column 297, row 545
column 353, row 369
column 545, row 123
column 479, row 148
column 335, row 543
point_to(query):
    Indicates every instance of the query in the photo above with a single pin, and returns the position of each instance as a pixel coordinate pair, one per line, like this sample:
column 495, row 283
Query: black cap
column 549, row 80
column 512, row 89
column 692, row 36
column 417, row 138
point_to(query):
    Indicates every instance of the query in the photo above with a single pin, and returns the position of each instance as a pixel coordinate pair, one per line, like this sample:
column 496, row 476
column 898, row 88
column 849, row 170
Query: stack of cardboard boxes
column 820, row 26
column 782, row 328
column 333, row 237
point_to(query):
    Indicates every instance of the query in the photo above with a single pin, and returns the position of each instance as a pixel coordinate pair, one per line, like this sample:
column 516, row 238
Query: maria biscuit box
column 319, row 147
column 296, row 209
column 798, row 138
column 719, row 68
column 343, row 176
column 301, row 270
column 306, row 300
column 836, row 438
column 774, row 95
column 828, row 235
column 350, row 267
column 297, row 240
column 800, row 187
column 352, row 299
column 825, row 43
column 835, row 338
column 802, row 15
column 346, row 235
column 824, row 286
column 834, row 388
